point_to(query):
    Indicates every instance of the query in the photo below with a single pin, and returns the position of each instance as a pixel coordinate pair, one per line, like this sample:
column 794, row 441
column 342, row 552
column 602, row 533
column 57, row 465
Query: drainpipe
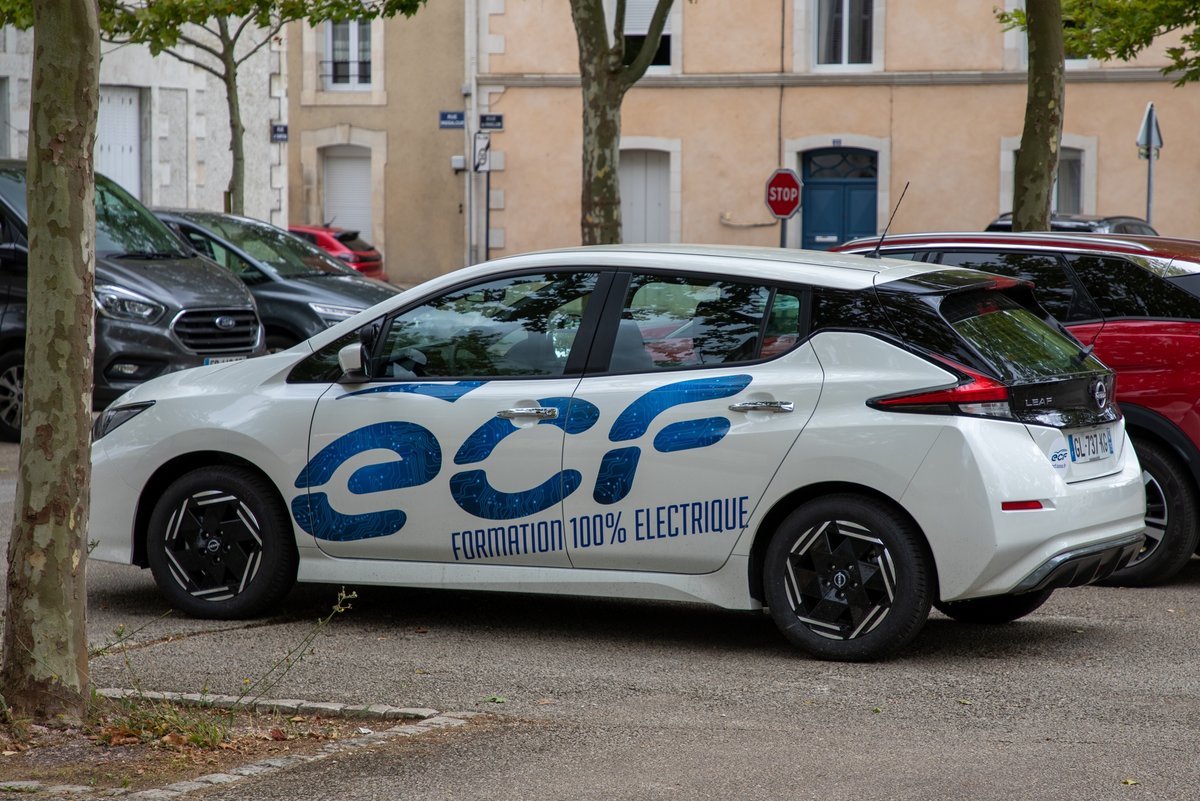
column 471, row 92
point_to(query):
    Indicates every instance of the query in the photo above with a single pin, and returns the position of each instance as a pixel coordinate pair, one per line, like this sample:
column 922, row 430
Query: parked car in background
column 159, row 307
column 300, row 289
column 1085, row 223
column 844, row 441
column 1136, row 302
column 345, row 245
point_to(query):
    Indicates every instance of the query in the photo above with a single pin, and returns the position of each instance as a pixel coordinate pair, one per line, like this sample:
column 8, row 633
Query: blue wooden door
column 840, row 187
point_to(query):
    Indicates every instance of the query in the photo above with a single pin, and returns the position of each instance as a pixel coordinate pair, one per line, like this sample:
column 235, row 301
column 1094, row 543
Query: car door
column 452, row 450
column 701, row 386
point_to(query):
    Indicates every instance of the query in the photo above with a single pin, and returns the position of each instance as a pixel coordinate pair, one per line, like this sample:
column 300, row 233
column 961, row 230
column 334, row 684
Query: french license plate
column 222, row 359
column 1090, row 445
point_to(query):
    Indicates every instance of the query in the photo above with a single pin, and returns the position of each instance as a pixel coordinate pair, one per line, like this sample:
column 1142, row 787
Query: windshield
column 287, row 254
column 123, row 225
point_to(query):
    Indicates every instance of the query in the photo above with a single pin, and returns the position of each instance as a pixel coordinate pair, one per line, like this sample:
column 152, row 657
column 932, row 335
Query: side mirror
column 350, row 359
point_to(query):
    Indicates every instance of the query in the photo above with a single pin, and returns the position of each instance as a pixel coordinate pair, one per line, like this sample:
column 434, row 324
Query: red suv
column 1136, row 302
column 345, row 245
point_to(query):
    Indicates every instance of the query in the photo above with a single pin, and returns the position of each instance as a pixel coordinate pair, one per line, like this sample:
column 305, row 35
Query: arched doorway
column 839, row 196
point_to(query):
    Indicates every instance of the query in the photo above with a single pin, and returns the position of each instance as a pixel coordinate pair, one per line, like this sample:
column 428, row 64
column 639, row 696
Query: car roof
column 818, row 267
column 1156, row 246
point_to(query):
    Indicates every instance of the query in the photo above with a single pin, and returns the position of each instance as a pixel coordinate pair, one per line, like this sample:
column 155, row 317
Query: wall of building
column 184, row 123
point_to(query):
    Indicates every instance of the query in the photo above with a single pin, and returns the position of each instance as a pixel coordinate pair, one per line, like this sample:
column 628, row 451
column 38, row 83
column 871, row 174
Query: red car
column 1136, row 301
column 345, row 245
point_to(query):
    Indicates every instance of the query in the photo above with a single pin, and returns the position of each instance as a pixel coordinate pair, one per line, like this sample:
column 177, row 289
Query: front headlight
column 334, row 314
column 123, row 304
column 115, row 416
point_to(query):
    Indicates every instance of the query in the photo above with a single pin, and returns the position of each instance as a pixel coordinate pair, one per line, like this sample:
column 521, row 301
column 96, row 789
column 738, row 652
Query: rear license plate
column 223, row 359
column 1090, row 445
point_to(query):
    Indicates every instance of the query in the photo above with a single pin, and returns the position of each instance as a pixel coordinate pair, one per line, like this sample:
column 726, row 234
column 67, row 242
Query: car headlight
column 123, row 304
column 334, row 314
column 115, row 416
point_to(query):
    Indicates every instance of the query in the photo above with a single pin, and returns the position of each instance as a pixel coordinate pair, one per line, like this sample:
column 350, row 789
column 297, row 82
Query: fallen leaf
column 964, row 701
column 278, row 734
column 421, row 630
column 1130, row 781
column 496, row 699
column 297, row 719
column 545, row 701
column 10, row 753
column 174, row 739
column 877, row 709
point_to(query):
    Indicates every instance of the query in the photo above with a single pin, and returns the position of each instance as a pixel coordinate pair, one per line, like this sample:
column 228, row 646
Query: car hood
column 347, row 290
column 178, row 282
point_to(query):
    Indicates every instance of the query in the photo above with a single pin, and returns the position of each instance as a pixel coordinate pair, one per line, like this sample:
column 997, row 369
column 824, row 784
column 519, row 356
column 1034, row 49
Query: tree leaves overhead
column 1121, row 29
column 157, row 23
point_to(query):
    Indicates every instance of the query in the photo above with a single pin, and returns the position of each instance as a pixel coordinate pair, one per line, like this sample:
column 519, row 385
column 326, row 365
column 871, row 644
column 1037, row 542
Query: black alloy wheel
column 12, row 395
column 1172, row 534
column 848, row 578
column 220, row 544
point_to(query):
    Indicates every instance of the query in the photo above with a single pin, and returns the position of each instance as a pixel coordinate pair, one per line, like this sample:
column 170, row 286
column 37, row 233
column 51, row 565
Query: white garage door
column 119, row 137
column 348, row 188
column 645, row 191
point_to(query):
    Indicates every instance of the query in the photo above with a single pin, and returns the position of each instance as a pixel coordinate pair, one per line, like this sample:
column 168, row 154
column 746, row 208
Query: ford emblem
column 1099, row 393
column 226, row 323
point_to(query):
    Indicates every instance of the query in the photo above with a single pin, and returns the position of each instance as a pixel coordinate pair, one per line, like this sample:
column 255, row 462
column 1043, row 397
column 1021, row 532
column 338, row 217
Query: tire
column 1172, row 534
column 848, row 578
column 994, row 610
column 220, row 544
column 12, row 395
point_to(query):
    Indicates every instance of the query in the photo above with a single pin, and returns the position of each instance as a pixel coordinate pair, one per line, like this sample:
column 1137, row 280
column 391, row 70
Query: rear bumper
column 1079, row 566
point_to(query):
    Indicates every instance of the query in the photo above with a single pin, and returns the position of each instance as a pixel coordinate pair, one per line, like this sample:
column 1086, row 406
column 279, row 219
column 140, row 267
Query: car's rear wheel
column 848, row 578
column 220, row 544
column 995, row 609
column 1171, row 525
column 12, row 395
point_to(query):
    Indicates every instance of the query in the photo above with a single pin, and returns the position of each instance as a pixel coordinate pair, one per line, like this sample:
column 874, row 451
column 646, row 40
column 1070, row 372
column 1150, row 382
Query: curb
column 422, row 721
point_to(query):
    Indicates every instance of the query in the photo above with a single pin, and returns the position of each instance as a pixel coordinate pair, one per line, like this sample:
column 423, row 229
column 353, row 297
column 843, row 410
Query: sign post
column 482, row 162
column 1149, row 142
column 783, row 199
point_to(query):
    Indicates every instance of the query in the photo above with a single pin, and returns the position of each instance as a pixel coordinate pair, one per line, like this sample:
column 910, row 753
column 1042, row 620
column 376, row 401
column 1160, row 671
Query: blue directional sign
column 491, row 122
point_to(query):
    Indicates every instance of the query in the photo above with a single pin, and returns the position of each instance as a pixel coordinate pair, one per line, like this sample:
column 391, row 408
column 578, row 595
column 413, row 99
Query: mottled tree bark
column 1037, row 160
column 604, row 80
column 44, row 671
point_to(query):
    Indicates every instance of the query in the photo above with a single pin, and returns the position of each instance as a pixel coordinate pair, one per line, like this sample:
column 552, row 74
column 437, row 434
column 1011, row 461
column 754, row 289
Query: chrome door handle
column 539, row 412
column 774, row 407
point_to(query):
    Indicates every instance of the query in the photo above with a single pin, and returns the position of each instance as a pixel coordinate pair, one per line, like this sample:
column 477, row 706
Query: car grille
column 217, row 330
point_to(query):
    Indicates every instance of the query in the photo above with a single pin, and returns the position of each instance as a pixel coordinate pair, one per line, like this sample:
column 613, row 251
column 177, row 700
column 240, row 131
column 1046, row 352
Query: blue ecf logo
column 420, row 457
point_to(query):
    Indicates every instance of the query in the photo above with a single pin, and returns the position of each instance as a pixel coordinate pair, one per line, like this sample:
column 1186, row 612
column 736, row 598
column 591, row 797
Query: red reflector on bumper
column 1020, row 506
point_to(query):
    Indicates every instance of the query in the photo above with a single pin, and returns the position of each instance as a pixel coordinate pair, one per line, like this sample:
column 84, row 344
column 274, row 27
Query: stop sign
column 783, row 193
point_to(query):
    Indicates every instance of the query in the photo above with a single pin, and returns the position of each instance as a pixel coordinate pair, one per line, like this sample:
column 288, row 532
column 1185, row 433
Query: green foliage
column 1121, row 29
column 158, row 22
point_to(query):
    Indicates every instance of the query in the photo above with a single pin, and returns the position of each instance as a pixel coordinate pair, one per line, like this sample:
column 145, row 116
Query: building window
column 844, row 31
column 348, row 51
column 1068, row 182
column 638, row 14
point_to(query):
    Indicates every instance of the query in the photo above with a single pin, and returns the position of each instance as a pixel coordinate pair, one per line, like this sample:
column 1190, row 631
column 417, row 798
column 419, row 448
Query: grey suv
column 159, row 307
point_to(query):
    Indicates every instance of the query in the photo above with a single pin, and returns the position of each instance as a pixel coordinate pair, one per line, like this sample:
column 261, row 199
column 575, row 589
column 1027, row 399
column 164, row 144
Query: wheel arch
column 1141, row 423
column 797, row 498
column 167, row 473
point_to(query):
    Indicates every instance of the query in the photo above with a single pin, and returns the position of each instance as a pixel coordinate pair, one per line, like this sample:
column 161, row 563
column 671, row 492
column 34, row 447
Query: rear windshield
column 351, row 240
column 986, row 328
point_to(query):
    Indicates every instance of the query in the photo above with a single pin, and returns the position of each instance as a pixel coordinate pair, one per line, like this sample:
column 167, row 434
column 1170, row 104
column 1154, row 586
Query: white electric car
column 842, row 440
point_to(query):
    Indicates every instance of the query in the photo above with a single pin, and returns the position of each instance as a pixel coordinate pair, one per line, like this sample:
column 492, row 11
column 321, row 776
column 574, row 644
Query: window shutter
column 637, row 17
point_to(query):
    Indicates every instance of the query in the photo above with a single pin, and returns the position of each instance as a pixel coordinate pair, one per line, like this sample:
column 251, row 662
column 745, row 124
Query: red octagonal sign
column 783, row 193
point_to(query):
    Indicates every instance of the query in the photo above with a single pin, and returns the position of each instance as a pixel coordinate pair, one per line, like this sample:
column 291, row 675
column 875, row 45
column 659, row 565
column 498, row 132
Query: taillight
column 975, row 394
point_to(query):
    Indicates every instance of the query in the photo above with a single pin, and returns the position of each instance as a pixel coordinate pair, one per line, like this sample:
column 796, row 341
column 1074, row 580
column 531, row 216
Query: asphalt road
column 1095, row 696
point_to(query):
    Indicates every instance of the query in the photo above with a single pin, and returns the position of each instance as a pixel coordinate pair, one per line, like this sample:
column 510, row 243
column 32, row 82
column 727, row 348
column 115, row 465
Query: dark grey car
column 159, row 307
column 300, row 290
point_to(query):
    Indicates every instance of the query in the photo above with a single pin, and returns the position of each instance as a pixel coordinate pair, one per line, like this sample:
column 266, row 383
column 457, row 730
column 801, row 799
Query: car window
column 520, row 326
column 1122, row 289
column 1056, row 289
column 672, row 321
column 352, row 240
column 280, row 250
column 223, row 256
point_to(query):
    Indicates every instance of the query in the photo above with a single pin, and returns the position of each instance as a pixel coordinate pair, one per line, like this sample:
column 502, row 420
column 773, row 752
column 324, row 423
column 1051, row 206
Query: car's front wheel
column 995, row 609
column 1171, row 525
column 848, row 578
column 220, row 544
column 12, row 394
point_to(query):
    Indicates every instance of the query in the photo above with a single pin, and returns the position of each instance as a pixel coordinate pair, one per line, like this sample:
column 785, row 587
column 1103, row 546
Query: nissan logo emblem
column 225, row 323
column 1099, row 393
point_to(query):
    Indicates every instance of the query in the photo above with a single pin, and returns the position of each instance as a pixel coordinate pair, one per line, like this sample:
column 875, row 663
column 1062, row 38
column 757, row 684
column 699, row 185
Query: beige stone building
column 860, row 97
